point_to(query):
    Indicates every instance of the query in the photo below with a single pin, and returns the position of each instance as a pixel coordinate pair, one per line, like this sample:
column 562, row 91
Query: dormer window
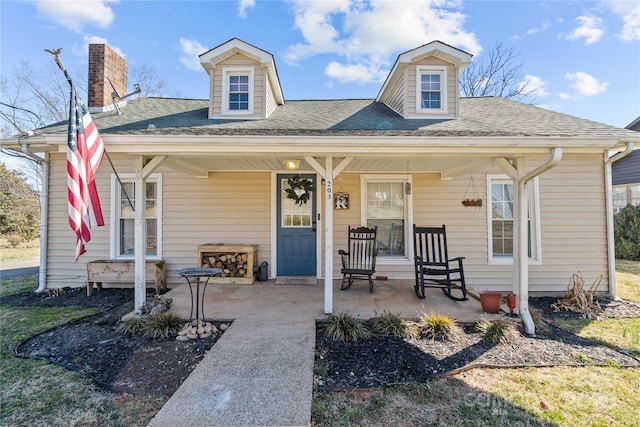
column 238, row 90
column 431, row 89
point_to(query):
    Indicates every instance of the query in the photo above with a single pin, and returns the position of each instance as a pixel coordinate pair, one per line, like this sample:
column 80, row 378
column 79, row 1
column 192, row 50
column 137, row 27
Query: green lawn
column 39, row 393
column 628, row 279
column 23, row 250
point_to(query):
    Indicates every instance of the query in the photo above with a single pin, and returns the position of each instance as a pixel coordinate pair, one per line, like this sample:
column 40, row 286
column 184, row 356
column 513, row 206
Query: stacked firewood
column 232, row 265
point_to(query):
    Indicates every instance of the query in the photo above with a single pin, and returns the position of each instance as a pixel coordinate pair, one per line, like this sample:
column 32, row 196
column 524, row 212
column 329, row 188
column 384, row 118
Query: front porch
column 268, row 301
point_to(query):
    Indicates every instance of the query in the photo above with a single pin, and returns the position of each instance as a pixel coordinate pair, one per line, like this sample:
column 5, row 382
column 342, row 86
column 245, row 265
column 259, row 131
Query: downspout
column 523, row 253
column 44, row 214
column 608, row 188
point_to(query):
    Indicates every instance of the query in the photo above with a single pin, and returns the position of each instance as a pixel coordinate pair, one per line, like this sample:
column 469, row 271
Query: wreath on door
column 299, row 190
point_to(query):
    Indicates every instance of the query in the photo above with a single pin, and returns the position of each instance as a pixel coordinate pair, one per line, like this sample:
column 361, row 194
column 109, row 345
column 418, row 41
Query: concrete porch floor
column 266, row 300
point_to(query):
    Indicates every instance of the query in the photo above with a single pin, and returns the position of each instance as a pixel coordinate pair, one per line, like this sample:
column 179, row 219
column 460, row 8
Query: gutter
column 523, row 256
column 44, row 213
column 608, row 188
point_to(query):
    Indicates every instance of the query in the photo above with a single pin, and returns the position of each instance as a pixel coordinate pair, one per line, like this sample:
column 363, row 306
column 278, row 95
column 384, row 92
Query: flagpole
column 56, row 57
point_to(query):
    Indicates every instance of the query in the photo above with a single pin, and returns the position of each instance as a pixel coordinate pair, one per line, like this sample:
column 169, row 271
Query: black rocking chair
column 433, row 267
column 360, row 260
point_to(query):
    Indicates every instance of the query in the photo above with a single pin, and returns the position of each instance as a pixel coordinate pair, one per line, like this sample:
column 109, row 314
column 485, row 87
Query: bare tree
column 497, row 74
column 150, row 83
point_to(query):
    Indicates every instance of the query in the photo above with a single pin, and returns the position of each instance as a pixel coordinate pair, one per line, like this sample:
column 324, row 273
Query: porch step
column 260, row 373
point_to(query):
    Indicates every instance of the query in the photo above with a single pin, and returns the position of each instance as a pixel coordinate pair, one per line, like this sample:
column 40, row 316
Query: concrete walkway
column 260, row 373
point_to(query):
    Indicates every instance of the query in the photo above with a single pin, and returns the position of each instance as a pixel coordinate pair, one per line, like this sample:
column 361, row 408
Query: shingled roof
column 479, row 117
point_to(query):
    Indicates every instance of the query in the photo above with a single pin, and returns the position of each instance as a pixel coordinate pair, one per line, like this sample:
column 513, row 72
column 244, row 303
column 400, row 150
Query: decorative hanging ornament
column 299, row 190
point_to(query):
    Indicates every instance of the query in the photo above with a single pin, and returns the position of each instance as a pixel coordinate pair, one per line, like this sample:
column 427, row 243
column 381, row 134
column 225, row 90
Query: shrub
column 133, row 325
column 627, row 233
column 496, row 331
column 14, row 238
column 435, row 326
column 390, row 324
column 343, row 327
column 164, row 325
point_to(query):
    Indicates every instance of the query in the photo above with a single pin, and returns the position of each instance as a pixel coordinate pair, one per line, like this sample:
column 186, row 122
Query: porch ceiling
column 448, row 166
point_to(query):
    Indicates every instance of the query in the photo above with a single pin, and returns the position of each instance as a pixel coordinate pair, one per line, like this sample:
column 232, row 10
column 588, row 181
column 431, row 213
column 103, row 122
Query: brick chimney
column 104, row 63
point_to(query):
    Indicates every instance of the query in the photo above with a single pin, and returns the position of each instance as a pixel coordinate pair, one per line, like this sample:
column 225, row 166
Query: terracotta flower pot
column 490, row 301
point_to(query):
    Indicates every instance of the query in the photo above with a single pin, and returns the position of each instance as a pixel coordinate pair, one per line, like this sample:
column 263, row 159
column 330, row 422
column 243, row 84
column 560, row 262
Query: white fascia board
column 395, row 142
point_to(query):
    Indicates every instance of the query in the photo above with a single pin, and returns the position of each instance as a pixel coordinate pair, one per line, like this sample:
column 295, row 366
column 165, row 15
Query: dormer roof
column 212, row 57
column 459, row 58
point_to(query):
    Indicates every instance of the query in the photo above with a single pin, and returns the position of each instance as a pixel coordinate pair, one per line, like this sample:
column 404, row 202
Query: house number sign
column 329, row 190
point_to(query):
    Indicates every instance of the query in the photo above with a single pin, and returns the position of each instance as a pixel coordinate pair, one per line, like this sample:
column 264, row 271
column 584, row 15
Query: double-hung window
column 501, row 220
column 385, row 205
column 431, row 84
column 123, row 218
column 237, row 90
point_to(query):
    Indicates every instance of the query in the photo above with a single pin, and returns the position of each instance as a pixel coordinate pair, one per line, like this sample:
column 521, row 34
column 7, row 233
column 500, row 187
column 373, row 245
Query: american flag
column 84, row 154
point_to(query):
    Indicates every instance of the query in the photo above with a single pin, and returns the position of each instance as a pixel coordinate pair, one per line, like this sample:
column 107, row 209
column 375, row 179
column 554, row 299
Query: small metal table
column 198, row 300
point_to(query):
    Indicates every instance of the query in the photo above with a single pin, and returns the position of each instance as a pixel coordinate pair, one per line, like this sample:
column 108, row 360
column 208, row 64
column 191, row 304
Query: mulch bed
column 117, row 361
column 382, row 361
column 137, row 364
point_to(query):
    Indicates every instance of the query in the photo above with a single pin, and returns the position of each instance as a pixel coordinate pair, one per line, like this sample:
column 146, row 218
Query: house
column 215, row 171
column 626, row 177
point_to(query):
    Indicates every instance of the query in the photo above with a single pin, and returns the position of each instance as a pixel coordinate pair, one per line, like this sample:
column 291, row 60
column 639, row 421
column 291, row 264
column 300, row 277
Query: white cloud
column 190, row 51
column 586, row 84
column 533, row 86
column 81, row 50
column 355, row 73
column 367, row 34
column 243, row 5
column 629, row 11
column 76, row 14
column 543, row 27
column 564, row 95
column 591, row 29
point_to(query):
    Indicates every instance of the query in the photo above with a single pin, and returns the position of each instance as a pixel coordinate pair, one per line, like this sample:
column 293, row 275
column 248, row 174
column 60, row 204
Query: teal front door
column 296, row 231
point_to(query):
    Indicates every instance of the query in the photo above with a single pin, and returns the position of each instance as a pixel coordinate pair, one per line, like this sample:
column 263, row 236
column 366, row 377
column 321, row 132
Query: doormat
column 297, row 280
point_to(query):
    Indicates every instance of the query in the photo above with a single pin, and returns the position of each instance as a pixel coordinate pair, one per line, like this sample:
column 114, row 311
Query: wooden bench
column 123, row 271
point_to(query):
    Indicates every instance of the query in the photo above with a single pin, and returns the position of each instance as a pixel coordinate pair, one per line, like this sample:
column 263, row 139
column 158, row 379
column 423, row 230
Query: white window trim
column 115, row 216
column 229, row 71
column 431, row 69
column 533, row 196
column 408, row 198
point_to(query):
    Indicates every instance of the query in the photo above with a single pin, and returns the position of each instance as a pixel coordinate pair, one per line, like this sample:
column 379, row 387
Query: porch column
column 328, row 236
column 142, row 171
column 140, row 235
column 328, row 173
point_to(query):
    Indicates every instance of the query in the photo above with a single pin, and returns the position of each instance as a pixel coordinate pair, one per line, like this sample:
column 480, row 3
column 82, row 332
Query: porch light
column 291, row 165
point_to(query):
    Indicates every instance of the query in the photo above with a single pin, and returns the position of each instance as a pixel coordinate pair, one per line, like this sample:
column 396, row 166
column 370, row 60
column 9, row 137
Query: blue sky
column 581, row 57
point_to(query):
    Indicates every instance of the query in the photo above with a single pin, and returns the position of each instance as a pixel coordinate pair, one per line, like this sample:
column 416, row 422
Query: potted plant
column 490, row 301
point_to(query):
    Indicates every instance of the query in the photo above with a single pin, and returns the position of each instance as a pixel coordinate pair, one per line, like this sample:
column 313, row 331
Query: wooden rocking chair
column 360, row 260
column 433, row 267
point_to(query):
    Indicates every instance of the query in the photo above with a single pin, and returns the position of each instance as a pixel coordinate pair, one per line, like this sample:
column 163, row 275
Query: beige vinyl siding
column 62, row 269
column 227, row 207
column 271, row 103
column 224, row 208
column 259, row 76
column 396, row 99
column 572, row 216
column 451, row 85
column 235, row 207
